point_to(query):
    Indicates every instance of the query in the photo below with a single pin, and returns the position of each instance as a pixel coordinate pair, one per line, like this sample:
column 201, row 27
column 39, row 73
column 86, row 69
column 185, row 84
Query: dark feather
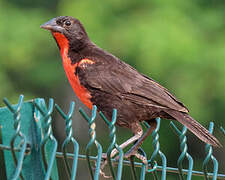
column 114, row 76
column 115, row 84
column 196, row 128
column 112, row 83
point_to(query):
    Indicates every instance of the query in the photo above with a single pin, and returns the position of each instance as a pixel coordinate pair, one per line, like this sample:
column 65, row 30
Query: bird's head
column 67, row 28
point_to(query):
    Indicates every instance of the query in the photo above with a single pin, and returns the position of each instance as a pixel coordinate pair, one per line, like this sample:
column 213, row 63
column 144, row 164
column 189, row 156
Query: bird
column 102, row 79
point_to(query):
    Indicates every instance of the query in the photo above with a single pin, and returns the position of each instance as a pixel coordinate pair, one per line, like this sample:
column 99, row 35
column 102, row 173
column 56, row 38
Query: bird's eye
column 67, row 23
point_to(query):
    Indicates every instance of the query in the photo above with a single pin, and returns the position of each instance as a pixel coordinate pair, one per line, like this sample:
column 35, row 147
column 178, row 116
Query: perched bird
column 99, row 78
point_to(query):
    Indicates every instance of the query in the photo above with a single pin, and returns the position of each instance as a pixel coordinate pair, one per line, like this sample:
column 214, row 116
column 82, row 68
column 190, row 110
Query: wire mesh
column 40, row 142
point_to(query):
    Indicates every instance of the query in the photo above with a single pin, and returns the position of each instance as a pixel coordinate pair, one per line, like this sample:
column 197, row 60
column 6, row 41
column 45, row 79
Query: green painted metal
column 21, row 134
column 209, row 150
column 140, row 165
column 156, row 152
column 48, row 143
column 69, row 139
column 143, row 167
column 113, row 144
column 222, row 130
column 22, row 124
column 28, row 147
column 183, row 148
column 18, row 161
column 2, row 158
column 92, row 135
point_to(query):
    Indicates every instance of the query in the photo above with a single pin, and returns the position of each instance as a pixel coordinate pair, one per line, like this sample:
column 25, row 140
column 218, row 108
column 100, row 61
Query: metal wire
column 184, row 153
column 113, row 145
column 18, row 133
column 92, row 135
column 209, row 156
column 157, row 151
column 45, row 116
column 69, row 139
column 20, row 149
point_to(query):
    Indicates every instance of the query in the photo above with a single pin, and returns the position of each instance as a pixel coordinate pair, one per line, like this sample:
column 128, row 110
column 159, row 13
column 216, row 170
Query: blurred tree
column 181, row 44
column 25, row 63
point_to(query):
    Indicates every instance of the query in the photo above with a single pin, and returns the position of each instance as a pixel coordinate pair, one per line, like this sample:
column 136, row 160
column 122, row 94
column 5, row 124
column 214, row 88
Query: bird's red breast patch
column 70, row 69
column 80, row 91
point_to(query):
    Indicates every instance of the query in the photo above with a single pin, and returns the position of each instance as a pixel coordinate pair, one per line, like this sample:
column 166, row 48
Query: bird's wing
column 123, row 80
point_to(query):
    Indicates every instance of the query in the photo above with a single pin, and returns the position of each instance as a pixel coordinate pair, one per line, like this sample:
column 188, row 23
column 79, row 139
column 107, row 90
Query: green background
column 180, row 44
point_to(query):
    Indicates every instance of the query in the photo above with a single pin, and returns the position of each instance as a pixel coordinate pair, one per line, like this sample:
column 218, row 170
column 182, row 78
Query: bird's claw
column 137, row 155
column 104, row 156
column 101, row 172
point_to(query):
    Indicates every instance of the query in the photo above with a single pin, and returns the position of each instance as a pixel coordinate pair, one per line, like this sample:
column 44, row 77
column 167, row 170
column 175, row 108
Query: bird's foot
column 103, row 164
column 143, row 159
column 102, row 173
column 137, row 155
column 104, row 159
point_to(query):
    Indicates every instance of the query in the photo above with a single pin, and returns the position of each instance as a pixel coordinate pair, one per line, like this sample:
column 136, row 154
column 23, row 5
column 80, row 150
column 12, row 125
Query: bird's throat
column 62, row 42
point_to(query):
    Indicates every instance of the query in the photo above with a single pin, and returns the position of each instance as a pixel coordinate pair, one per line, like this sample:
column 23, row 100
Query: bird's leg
column 134, row 148
column 138, row 132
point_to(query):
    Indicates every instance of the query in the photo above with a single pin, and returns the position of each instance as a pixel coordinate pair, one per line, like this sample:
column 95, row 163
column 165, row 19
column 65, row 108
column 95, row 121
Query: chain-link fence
column 28, row 149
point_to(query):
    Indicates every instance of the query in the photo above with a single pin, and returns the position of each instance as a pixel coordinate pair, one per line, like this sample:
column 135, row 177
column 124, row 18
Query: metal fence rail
column 28, row 149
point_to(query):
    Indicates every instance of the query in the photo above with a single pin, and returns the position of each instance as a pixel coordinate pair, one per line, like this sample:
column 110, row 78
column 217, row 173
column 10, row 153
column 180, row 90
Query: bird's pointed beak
column 52, row 26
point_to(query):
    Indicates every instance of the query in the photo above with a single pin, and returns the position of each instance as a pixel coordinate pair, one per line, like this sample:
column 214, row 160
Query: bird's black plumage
column 114, row 84
column 137, row 98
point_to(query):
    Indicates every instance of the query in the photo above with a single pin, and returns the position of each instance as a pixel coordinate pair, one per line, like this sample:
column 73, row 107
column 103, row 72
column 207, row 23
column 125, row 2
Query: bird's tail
column 196, row 128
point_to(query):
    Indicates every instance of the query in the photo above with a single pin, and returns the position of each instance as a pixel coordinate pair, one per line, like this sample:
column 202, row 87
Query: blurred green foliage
column 181, row 44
